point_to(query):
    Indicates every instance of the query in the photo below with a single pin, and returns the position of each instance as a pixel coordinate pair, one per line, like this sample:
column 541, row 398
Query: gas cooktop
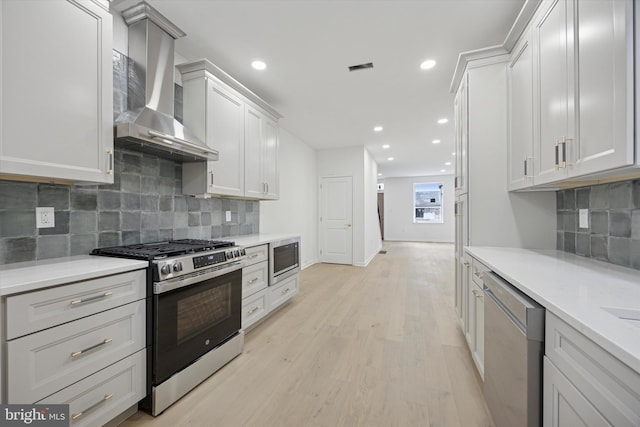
column 160, row 250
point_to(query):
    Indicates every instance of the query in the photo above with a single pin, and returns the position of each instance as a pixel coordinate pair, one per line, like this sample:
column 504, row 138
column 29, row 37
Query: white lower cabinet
column 96, row 399
column 283, row 292
column 255, row 278
column 81, row 343
column 584, row 385
column 254, row 308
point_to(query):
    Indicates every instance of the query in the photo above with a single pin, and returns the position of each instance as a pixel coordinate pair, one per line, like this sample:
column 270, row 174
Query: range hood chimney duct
column 149, row 124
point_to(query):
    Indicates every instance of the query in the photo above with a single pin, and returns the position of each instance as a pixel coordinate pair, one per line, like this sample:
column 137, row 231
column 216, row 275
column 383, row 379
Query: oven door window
column 285, row 258
column 192, row 320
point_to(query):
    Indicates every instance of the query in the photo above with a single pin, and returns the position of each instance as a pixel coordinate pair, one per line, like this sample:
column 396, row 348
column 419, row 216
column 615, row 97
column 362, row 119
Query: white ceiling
column 308, row 45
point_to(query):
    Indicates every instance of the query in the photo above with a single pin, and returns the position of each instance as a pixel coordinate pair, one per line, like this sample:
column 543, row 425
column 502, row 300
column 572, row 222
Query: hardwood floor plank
column 374, row 346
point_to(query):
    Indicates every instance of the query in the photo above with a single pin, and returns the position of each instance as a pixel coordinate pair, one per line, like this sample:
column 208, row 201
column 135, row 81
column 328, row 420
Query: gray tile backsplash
column 613, row 234
column 144, row 204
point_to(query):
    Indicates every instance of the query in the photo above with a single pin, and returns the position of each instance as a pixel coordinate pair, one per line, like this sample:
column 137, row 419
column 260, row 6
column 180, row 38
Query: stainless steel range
column 194, row 290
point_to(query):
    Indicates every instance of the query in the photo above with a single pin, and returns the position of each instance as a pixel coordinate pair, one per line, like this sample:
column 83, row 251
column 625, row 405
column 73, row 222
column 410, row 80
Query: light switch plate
column 583, row 218
column 228, row 216
column 45, row 218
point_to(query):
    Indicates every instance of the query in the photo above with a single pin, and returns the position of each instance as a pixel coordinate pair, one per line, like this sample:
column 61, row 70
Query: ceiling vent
column 361, row 66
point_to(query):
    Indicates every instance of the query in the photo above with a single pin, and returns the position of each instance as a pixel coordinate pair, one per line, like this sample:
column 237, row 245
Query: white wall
column 372, row 235
column 350, row 161
column 398, row 211
column 297, row 209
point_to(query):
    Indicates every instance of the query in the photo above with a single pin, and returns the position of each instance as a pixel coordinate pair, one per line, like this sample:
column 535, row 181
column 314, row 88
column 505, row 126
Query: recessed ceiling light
column 390, row 159
column 378, row 129
column 443, row 170
column 379, row 174
column 443, row 121
column 258, row 65
column 453, row 154
column 428, row 64
column 448, row 164
column 385, row 146
column 435, row 141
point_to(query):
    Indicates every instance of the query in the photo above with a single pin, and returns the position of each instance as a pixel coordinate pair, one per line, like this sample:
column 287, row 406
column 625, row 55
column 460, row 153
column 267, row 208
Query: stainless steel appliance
column 284, row 259
column 194, row 290
column 149, row 124
column 514, row 347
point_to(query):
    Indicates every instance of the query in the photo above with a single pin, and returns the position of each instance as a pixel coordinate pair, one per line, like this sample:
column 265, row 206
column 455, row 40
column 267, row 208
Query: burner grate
column 159, row 250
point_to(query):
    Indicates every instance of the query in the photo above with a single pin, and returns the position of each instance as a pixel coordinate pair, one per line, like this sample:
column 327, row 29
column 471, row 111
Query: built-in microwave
column 284, row 259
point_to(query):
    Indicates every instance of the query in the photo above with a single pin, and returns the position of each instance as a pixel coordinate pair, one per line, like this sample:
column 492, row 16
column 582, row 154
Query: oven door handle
column 180, row 282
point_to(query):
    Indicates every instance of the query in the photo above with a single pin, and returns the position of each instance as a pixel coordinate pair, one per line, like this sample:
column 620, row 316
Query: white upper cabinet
column 520, row 143
column 583, row 98
column 604, row 58
column 261, row 155
column 234, row 121
column 56, row 91
column 554, row 90
column 216, row 115
column 461, row 113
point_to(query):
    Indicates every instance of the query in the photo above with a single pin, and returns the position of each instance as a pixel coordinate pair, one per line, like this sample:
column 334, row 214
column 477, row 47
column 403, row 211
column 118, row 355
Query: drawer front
column 477, row 268
column 283, row 292
column 610, row 385
column 104, row 395
column 255, row 278
column 254, row 308
column 47, row 361
column 34, row 311
column 256, row 254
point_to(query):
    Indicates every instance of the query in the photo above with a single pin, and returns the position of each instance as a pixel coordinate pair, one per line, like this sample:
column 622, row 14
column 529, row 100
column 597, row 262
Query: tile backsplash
column 145, row 204
column 613, row 232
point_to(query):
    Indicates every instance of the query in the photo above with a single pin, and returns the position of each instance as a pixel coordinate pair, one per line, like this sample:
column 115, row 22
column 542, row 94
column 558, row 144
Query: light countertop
column 575, row 289
column 34, row 275
column 259, row 239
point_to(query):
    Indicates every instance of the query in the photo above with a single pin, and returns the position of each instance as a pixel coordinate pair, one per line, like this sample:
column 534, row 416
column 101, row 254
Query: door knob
column 348, row 225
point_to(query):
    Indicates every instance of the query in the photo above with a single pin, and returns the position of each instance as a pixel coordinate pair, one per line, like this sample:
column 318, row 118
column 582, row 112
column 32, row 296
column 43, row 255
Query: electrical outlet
column 583, row 218
column 45, row 218
column 228, row 216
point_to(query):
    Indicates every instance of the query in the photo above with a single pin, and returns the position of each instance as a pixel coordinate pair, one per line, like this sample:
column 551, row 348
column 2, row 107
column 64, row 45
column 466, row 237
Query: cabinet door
column 520, row 143
column 253, row 146
column 563, row 404
column 554, row 90
column 477, row 351
column 462, row 136
column 605, row 85
column 56, row 90
column 270, row 159
column 466, row 276
column 225, row 133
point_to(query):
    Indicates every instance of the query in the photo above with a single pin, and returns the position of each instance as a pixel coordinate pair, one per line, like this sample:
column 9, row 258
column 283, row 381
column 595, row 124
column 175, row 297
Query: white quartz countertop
column 575, row 289
column 260, row 239
column 34, row 275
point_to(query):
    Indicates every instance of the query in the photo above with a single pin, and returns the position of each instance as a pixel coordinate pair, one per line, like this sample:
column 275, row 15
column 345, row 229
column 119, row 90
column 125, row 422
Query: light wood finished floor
column 374, row 346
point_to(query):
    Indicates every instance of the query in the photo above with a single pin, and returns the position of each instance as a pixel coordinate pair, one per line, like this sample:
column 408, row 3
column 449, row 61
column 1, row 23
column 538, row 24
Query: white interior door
column 336, row 220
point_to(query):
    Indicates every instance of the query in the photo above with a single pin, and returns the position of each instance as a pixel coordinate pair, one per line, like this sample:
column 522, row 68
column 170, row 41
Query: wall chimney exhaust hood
column 149, row 124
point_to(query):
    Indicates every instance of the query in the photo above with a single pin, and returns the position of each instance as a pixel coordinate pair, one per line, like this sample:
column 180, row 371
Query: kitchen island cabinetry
column 56, row 91
column 77, row 342
column 584, row 385
column 241, row 126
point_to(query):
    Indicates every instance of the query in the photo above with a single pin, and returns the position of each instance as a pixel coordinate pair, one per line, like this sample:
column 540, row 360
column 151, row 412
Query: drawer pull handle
column 478, row 274
column 93, row 347
column 477, row 294
column 285, row 291
column 253, row 310
column 254, row 280
column 77, row 415
column 252, row 256
column 82, row 301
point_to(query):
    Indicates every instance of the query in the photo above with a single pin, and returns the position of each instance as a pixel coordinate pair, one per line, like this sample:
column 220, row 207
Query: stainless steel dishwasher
column 514, row 347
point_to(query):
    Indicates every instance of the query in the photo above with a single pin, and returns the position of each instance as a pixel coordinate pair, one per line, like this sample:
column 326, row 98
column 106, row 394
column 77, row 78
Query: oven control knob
column 243, row 252
column 229, row 254
column 177, row 266
column 165, row 269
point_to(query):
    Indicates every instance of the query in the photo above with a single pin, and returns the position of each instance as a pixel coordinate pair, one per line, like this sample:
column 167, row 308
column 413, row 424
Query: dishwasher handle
column 527, row 314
